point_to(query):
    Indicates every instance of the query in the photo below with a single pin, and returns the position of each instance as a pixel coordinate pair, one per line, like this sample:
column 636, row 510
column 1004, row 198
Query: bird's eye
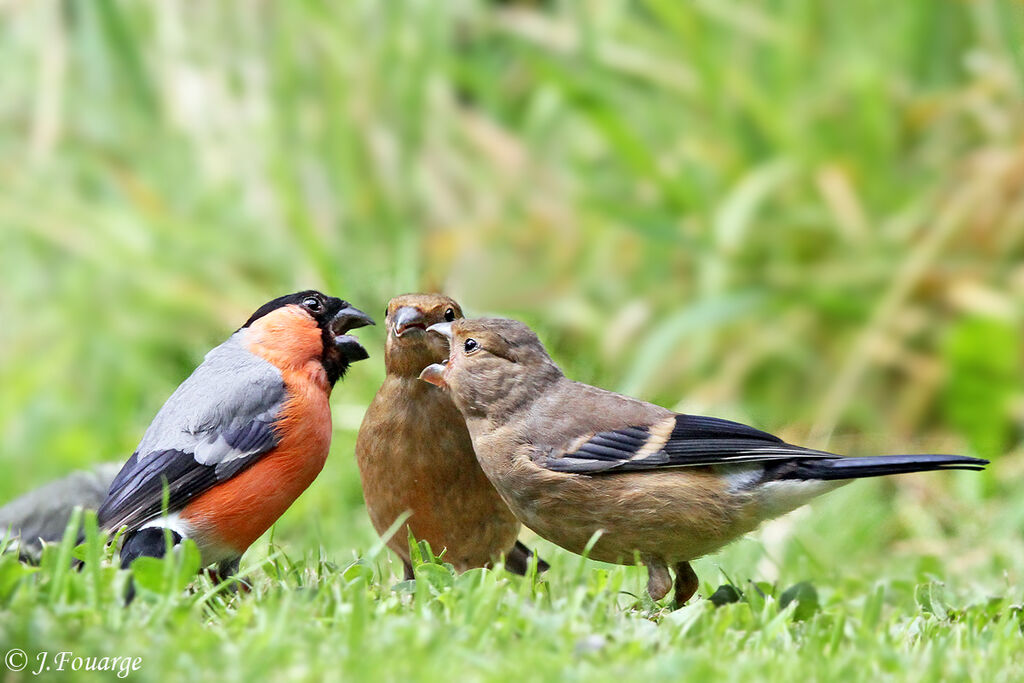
column 470, row 345
column 449, row 315
column 312, row 304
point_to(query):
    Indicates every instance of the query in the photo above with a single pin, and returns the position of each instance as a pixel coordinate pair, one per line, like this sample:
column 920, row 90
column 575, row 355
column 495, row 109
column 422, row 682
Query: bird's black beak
column 407, row 319
column 349, row 318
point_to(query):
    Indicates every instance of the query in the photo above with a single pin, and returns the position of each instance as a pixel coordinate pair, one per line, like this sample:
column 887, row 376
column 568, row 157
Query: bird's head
column 495, row 366
column 409, row 348
column 295, row 330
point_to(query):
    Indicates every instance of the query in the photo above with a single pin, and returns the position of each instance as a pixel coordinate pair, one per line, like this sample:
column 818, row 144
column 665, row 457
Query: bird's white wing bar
column 677, row 441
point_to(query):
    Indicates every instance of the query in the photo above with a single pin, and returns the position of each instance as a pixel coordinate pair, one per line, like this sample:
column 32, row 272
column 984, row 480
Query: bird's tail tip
column 882, row 465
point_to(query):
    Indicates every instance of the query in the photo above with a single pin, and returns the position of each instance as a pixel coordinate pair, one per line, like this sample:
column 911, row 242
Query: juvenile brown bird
column 415, row 454
column 572, row 460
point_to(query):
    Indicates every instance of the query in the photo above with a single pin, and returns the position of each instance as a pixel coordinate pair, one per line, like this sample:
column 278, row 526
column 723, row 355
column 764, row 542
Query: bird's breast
column 415, row 455
column 238, row 511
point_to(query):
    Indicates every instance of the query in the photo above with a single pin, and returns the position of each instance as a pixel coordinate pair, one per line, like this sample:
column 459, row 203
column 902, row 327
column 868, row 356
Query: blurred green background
column 804, row 215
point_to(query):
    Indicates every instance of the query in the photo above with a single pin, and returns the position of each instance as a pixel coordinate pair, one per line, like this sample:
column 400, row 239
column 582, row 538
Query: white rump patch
column 779, row 497
column 211, row 553
column 173, row 522
column 744, row 479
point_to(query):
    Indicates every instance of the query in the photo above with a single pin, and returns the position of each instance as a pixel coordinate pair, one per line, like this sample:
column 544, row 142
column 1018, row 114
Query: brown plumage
column 573, row 461
column 415, row 454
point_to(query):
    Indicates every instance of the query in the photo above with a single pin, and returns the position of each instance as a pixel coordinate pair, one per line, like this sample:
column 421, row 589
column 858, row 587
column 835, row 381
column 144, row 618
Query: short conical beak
column 434, row 373
column 407, row 318
column 349, row 318
column 443, row 329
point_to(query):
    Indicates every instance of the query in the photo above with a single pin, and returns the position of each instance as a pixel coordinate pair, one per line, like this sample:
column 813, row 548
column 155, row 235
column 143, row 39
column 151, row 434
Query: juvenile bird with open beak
column 572, row 460
column 415, row 454
column 242, row 437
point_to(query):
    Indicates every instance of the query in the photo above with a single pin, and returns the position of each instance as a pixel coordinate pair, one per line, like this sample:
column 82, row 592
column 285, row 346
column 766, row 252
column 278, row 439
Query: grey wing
column 676, row 441
column 43, row 513
column 218, row 422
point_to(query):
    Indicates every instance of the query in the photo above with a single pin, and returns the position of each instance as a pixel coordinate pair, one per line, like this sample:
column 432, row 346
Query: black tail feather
column 874, row 466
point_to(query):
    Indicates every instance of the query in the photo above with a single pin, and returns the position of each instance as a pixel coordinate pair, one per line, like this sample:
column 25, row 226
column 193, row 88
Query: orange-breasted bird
column 415, row 454
column 572, row 460
column 242, row 437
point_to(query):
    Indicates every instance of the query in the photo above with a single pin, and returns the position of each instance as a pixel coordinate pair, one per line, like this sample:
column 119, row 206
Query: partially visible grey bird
column 43, row 513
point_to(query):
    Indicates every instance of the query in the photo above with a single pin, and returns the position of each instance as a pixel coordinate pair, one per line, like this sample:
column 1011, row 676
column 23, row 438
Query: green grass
column 344, row 619
column 808, row 216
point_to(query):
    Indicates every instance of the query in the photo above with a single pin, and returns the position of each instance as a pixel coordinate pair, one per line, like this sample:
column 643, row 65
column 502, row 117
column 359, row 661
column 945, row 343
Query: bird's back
column 572, row 410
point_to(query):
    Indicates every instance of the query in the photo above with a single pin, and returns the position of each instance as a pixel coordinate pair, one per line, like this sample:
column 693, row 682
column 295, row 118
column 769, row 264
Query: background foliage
column 804, row 215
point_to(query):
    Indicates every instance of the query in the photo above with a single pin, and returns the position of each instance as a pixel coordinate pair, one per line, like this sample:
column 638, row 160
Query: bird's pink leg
column 658, row 580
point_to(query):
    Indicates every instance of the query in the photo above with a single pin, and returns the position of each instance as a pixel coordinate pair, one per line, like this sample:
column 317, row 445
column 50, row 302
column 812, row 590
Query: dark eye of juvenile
column 470, row 345
column 449, row 315
column 312, row 303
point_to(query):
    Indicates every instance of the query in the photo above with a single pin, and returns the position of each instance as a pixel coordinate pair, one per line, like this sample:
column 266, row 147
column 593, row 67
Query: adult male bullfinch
column 415, row 454
column 572, row 460
column 242, row 437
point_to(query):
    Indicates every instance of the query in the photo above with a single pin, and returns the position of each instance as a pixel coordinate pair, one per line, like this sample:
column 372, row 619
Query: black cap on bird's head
column 335, row 318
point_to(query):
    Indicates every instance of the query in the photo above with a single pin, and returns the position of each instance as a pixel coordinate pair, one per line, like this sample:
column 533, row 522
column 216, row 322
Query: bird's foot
column 686, row 583
column 518, row 560
column 227, row 570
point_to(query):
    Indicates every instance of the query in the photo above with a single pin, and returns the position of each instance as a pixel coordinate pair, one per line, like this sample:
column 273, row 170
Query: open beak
column 349, row 318
column 407, row 319
column 434, row 373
